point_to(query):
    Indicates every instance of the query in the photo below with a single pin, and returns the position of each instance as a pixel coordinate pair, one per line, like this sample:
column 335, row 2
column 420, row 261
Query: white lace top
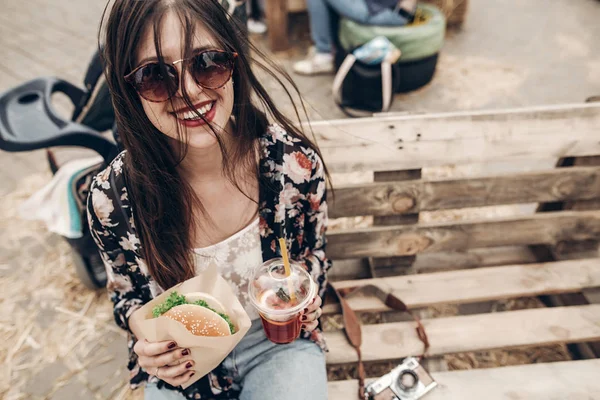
column 235, row 256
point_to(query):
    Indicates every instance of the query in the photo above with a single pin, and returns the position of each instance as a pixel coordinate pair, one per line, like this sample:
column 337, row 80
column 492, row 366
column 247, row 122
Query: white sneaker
column 315, row 63
column 256, row 27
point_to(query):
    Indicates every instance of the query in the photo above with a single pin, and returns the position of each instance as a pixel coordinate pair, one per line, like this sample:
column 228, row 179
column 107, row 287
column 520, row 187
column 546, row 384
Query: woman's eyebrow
column 194, row 51
column 147, row 60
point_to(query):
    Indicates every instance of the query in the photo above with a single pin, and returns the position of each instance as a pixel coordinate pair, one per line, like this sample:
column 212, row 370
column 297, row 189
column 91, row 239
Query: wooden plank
column 407, row 197
column 437, row 262
column 549, row 228
column 475, row 258
column 385, row 157
column 510, row 329
column 561, row 120
column 548, row 381
column 277, row 22
column 477, row 285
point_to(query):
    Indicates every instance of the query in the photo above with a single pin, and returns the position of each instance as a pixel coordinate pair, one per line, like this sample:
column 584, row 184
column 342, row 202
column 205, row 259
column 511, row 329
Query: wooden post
column 390, row 266
column 277, row 23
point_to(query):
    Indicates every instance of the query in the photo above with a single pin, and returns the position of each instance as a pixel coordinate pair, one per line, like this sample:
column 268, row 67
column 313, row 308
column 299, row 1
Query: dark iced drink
column 280, row 299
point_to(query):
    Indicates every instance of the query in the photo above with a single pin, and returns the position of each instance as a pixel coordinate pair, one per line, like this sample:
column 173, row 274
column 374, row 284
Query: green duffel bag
column 416, row 41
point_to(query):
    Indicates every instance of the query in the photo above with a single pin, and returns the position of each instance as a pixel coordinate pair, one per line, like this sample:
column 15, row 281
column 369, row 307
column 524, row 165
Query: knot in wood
column 565, row 187
column 412, row 243
column 402, row 203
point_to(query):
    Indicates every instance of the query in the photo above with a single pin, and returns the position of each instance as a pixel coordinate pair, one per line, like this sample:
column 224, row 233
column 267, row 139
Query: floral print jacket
column 292, row 203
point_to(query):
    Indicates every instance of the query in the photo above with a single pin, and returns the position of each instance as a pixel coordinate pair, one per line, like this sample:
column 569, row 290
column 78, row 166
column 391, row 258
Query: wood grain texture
column 412, row 155
column 549, row 228
column 494, row 125
column 437, row 262
column 532, row 327
column 477, row 285
column 570, row 380
column 408, row 197
column 417, row 141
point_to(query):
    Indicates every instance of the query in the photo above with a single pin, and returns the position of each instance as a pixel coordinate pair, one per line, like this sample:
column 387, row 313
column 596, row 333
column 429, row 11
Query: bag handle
column 386, row 85
column 352, row 324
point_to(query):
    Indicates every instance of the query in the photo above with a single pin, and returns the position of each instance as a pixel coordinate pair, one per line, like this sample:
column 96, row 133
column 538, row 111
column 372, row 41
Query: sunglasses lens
column 212, row 69
column 154, row 84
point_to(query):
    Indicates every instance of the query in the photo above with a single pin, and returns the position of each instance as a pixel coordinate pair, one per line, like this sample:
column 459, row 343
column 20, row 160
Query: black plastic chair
column 28, row 120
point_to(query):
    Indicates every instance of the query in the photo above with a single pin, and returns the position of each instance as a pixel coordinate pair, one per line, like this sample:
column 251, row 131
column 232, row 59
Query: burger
column 200, row 313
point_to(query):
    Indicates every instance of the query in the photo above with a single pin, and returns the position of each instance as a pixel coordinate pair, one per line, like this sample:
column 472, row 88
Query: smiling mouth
column 193, row 115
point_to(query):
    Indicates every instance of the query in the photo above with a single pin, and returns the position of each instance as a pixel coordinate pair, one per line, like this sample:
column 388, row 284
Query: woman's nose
column 188, row 82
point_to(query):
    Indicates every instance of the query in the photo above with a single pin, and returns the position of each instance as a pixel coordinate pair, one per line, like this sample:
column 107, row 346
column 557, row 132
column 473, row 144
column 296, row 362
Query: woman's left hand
column 311, row 314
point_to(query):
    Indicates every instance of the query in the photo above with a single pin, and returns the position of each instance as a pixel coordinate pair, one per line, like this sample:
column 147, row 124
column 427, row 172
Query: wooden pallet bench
column 544, row 162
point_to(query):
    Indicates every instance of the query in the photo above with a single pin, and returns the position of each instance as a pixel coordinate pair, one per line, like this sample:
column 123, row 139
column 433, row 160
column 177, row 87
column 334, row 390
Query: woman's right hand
column 165, row 360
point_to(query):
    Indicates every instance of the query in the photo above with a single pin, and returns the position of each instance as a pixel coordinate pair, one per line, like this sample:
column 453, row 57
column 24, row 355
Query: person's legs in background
column 358, row 11
column 255, row 9
column 320, row 58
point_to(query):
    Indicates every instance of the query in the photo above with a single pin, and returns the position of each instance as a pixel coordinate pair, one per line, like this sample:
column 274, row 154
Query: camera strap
column 352, row 323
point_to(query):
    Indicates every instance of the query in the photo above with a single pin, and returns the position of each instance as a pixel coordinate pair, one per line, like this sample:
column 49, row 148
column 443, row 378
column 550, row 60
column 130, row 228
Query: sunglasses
column 211, row 69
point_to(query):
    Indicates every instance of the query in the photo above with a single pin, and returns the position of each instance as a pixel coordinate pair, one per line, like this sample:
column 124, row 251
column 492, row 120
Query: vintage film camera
column 408, row 381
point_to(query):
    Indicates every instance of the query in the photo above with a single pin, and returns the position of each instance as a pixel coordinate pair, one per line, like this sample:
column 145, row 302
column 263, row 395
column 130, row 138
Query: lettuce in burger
column 201, row 313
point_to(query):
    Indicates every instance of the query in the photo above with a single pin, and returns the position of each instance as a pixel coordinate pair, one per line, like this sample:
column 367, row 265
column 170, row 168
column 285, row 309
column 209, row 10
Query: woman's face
column 215, row 104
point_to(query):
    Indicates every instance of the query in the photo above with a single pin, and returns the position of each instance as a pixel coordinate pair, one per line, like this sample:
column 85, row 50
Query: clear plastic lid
column 271, row 292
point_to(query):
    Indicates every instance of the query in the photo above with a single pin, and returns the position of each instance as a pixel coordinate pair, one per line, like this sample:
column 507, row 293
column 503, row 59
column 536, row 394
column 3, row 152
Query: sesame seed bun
column 199, row 320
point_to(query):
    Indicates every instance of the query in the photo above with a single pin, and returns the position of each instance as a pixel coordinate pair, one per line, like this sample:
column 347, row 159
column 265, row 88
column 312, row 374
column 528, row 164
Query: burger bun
column 199, row 320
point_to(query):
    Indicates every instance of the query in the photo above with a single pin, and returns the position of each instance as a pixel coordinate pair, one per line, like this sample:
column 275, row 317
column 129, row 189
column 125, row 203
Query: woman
column 204, row 177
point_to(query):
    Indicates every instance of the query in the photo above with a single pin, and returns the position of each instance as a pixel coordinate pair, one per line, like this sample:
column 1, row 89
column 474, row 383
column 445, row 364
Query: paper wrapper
column 207, row 352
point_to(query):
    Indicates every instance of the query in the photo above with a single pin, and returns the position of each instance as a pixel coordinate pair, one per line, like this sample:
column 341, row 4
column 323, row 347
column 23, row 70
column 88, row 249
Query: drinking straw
column 282, row 245
column 286, row 266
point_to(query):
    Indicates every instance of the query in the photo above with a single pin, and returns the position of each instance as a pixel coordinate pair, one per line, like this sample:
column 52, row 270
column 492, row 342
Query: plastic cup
column 271, row 294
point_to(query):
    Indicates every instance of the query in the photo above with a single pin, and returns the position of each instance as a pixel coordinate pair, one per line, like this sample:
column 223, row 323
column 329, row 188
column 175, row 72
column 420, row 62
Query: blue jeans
column 263, row 370
column 255, row 9
column 320, row 19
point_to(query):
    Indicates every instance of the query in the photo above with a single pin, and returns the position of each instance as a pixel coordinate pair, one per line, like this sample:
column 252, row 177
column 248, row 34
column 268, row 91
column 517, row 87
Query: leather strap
column 352, row 324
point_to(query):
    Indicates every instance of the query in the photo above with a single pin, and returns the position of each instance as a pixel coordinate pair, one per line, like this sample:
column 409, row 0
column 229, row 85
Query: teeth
column 192, row 115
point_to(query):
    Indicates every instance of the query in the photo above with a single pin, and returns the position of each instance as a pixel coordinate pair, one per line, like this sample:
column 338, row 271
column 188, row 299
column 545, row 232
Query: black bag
column 360, row 89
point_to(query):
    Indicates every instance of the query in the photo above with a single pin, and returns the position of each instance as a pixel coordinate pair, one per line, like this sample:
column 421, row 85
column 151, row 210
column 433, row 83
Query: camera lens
column 407, row 380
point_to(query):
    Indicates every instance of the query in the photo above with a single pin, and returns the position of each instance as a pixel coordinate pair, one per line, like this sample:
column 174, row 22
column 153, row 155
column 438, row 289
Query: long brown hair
column 163, row 203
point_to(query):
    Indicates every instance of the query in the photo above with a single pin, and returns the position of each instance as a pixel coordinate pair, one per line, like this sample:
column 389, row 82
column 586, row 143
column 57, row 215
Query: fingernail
column 185, row 352
column 304, row 318
column 188, row 365
column 172, row 345
column 305, row 310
